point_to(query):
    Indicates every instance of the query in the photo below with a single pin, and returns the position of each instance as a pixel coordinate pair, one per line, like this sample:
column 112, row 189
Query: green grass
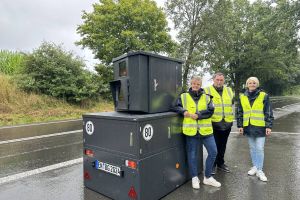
column 10, row 62
column 18, row 107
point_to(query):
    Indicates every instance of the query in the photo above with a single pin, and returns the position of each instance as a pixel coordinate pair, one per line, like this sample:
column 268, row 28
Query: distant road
column 43, row 160
column 32, row 146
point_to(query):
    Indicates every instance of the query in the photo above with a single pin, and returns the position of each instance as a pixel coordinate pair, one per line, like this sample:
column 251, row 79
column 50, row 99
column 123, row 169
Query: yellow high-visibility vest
column 191, row 126
column 255, row 114
column 223, row 104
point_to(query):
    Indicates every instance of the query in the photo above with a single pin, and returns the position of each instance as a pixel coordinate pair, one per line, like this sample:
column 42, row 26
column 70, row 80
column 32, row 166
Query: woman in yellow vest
column 255, row 119
column 197, row 108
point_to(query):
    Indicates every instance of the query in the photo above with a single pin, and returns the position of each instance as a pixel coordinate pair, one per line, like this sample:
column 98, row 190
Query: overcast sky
column 25, row 24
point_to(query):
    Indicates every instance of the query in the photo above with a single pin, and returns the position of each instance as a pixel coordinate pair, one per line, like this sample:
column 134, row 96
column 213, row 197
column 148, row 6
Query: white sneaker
column 252, row 171
column 211, row 181
column 261, row 176
column 196, row 182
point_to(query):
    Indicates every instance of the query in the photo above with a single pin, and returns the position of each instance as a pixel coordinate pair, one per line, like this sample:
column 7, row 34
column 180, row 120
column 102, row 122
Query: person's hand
column 186, row 114
column 268, row 131
column 194, row 116
column 241, row 131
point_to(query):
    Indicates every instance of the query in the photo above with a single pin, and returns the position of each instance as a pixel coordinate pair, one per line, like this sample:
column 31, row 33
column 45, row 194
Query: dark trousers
column 221, row 138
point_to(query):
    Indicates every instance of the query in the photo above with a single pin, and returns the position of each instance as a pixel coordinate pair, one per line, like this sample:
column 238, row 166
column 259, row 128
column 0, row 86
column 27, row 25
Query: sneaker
column 211, row 181
column 252, row 171
column 224, row 168
column 196, row 182
column 261, row 176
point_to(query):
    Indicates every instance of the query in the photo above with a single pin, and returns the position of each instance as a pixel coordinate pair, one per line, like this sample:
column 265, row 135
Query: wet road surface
column 22, row 156
column 282, row 167
column 280, row 102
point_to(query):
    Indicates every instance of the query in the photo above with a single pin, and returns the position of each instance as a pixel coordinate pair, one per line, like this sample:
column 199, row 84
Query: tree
column 187, row 16
column 254, row 40
column 116, row 27
column 225, row 42
column 52, row 71
column 105, row 75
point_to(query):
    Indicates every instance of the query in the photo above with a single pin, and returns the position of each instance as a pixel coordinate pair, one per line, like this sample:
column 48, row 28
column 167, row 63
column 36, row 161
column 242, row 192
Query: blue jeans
column 192, row 144
column 256, row 145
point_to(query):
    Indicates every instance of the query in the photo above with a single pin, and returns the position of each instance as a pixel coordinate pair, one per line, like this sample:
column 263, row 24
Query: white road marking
column 37, row 124
column 37, row 150
column 40, row 170
column 38, row 137
column 289, row 133
column 290, row 105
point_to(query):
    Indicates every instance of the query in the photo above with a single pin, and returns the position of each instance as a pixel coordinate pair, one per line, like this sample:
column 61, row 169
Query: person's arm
column 239, row 117
column 239, row 114
column 205, row 114
column 269, row 118
column 178, row 108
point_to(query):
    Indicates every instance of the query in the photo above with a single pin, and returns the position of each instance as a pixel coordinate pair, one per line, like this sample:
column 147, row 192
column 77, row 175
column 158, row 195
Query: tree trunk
column 187, row 65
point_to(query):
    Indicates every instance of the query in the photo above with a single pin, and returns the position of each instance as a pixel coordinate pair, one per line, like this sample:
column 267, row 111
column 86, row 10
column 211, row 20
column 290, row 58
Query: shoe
column 196, row 182
column 214, row 170
column 211, row 181
column 252, row 171
column 224, row 168
column 261, row 176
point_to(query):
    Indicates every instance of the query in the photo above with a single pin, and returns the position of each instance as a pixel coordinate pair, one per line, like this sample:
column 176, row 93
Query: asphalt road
column 50, row 167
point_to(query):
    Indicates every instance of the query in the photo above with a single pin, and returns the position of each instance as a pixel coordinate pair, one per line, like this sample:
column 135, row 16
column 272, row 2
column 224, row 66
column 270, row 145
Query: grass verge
column 17, row 107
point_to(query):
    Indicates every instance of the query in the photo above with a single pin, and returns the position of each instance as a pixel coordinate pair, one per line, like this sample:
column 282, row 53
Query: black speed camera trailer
column 129, row 156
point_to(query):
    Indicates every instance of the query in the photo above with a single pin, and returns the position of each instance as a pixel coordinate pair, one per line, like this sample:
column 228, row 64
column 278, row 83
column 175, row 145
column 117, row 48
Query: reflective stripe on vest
column 255, row 114
column 223, row 104
column 189, row 125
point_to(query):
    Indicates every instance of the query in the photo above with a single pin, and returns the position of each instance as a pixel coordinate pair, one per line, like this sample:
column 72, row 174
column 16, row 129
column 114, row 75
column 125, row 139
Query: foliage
column 294, row 90
column 117, row 27
column 52, row 71
column 19, row 107
column 240, row 39
column 187, row 16
column 10, row 62
column 105, row 75
column 256, row 39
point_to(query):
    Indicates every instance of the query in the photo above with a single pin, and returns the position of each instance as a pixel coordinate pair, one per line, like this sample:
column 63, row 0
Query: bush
column 52, row 71
column 10, row 62
column 293, row 90
column 105, row 75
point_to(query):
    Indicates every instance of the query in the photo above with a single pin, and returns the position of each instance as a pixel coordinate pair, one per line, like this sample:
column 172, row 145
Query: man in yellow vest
column 222, row 118
column 197, row 108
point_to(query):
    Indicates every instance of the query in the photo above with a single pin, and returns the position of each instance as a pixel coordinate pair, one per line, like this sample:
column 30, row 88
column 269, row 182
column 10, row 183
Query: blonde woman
column 254, row 120
column 197, row 108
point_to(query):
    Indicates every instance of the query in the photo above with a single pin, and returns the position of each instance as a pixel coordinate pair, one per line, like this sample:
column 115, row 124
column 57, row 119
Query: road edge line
column 39, row 170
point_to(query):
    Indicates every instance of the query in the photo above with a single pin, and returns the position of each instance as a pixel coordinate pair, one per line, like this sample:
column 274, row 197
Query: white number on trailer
column 148, row 132
column 89, row 127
